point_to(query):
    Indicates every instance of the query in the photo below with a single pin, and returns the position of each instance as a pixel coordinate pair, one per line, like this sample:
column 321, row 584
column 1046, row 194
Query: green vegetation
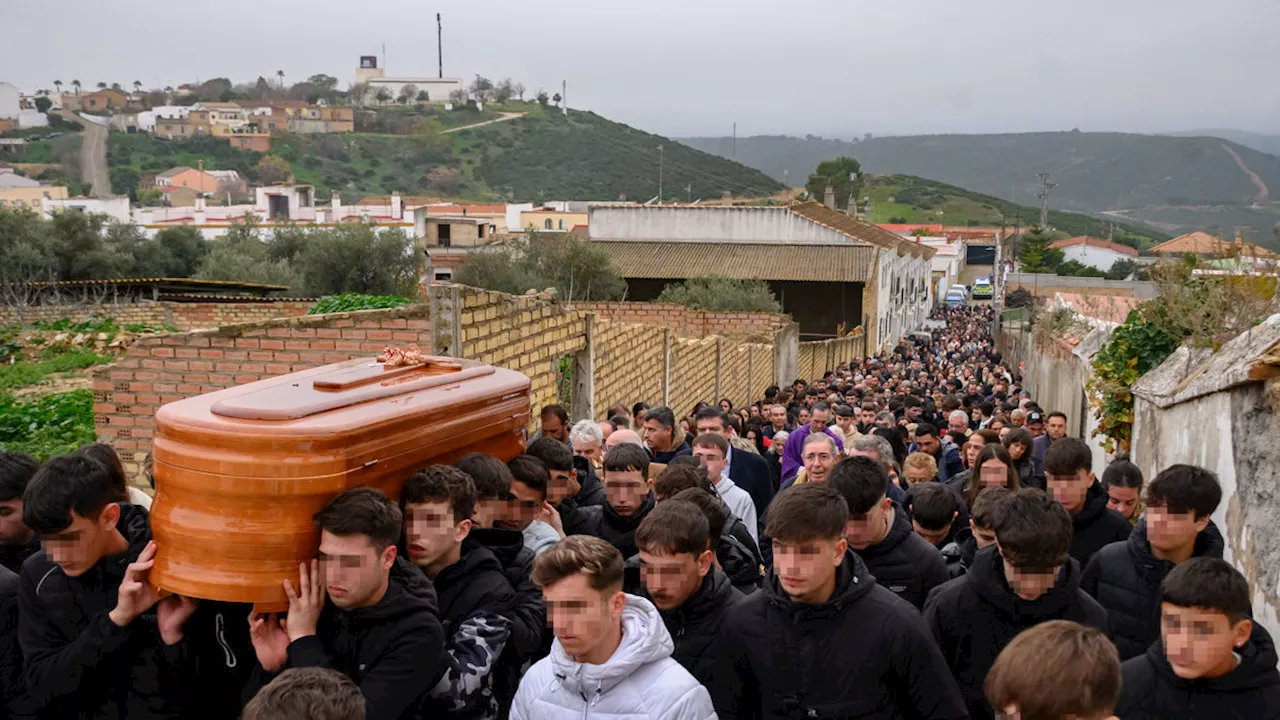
column 721, row 293
column 575, row 268
column 844, row 176
column 47, row 426
column 27, row 372
column 1034, row 253
column 351, row 302
column 1135, row 348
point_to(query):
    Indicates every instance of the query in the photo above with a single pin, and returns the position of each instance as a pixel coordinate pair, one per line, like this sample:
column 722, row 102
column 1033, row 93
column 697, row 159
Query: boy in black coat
column 822, row 638
column 1027, row 578
column 630, row 497
column 1212, row 662
column 1070, row 480
column 1125, row 577
column 880, row 532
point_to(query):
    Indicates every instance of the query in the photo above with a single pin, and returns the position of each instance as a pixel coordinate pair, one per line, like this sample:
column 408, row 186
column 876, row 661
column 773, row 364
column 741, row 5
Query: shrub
column 351, row 302
column 47, row 426
column 720, row 293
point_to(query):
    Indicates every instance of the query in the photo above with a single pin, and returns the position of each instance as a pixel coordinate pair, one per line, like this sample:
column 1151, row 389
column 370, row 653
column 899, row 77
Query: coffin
column 239, row 473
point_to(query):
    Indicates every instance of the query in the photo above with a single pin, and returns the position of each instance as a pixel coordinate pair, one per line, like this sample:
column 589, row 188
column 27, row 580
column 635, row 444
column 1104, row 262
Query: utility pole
column 786, row 177
column 688, row 189
column 735, row 141
column 661, row 158
column 1043, row 194
column 564, row 97
column 440, row 44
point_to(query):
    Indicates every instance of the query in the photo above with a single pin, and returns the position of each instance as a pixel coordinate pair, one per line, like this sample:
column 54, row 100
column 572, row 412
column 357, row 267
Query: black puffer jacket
column 79, row 664
column 740, row 563
column 958, row 554
column 864, row 653
column 590, row 489
column 1151, row 690
column 904, row 562
column 1125, row 577
column 695, row 625
column 604, row 522
column 1027, row 474
column 975, row 616
column 1096, row 526
column 393, row 650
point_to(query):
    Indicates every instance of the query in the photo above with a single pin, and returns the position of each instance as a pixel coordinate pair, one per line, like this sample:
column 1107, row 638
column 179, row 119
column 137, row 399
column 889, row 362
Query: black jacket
column 666, row 457
column 605, row 523
column 590, row 489
column 12, row 556
column 904, row 562
column 79, row 664
column 864, row 653
column 1124, row 577
column 530, row 639
column 1096, row 526
column 217, row 637
column 740, row 562
column 1151, row 690
column 16, row 702
column 975, row 616
column 475, row 608
column 958, row 554
column 751, row 473
column 695, row 626
column 1027, row 474
column 393, row 650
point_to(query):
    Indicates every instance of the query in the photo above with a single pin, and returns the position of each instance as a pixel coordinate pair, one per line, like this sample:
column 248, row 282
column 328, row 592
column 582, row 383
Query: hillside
column 1262, row 143
column 541, row 156
column 1173, row 184
column 907, row 199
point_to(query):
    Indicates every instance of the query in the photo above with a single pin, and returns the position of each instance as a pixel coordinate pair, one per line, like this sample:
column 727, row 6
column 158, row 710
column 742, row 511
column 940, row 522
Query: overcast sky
column 694, row 67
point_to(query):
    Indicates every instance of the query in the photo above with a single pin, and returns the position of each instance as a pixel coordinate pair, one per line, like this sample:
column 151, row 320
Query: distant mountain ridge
column 1269, row 144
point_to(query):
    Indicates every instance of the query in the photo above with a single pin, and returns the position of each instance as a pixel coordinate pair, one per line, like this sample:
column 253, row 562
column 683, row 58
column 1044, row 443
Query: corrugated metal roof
column 764, row 261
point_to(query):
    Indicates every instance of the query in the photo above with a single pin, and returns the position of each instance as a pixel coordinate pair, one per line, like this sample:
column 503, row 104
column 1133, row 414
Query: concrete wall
column 1045, row 285
column 744, row 225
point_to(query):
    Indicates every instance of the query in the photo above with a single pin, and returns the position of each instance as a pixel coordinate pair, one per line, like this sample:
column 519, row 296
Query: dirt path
column 93, row 154
column 1264, row 193
column 505, row 117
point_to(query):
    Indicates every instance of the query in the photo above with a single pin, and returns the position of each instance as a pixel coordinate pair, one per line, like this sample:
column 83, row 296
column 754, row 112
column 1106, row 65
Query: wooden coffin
column 240, row 472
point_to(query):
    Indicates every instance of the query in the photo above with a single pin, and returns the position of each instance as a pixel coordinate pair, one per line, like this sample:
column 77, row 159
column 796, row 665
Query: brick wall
column 184, row 316
column 817, row 358
column 687, row 322
column 629, row 363
column 166, row 368
column 693, row 374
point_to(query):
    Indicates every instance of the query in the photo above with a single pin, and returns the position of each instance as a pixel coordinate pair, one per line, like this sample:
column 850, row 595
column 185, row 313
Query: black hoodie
column 695, row 625
column 1124, row 577
column 79, row 664
column 13, row 555
column 605, row 523
column 1096, row 526
column 590, row 494
column 1151, row 690
column 394, row 649
column 864, row 653
column 904, row 562
column 958, row 554
column 975, row 616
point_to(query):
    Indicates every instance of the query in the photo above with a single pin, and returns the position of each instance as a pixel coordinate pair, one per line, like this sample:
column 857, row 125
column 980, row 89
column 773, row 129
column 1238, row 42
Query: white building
column 10, row 101
column 1094, row 252
column 437, row 89
column 116, row 208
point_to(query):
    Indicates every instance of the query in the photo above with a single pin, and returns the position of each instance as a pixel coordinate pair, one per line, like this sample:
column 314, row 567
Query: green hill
column 1173, row 184
column 544, row 155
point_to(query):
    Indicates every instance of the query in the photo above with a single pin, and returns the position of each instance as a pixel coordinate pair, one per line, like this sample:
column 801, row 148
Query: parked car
column 982, row 289
column 955, row 296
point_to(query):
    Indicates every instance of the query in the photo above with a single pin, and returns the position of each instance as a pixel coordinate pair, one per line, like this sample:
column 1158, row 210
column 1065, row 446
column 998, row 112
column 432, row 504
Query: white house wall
column 743, row 225
column 1095, row 257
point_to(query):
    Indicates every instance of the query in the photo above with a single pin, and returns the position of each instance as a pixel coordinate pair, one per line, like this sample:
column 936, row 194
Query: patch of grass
column 32, row 372
column 47, row 426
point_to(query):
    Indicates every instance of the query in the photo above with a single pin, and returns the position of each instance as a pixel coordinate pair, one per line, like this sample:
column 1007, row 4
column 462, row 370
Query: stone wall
column 687, row 322
column 181, row 315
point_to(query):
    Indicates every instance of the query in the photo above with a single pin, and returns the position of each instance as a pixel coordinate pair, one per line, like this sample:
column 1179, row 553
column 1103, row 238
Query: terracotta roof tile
column 1202, row 243
column 859, row 230
column 764, row 261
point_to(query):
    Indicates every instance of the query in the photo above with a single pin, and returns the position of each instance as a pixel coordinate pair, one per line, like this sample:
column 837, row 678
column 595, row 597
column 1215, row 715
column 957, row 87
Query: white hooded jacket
column 639, row 682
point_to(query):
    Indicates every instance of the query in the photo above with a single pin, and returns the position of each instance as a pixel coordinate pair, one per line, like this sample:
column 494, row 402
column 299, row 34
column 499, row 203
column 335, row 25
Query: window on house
column 444, row 236
column 561, row 223
column 547, row 224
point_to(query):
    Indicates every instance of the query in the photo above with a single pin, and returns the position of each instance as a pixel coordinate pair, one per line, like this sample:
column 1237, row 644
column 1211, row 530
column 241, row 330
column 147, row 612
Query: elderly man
column 820, row 455
column 958, row 421
column 588, row 441
column 792, row 459
column 878, row 449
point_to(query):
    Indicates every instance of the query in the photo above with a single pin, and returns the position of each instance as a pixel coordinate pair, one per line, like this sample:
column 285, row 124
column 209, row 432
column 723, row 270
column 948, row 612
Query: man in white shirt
column 711, row 449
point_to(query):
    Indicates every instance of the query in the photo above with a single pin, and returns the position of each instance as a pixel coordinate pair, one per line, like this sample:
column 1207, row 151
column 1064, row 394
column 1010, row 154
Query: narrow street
column 93, row 155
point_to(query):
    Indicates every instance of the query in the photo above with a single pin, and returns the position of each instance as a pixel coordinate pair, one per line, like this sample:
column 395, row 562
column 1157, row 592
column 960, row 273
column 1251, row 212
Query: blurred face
column 885, row 422
column 606, row 429
column 778, row 416
column 917, row 475
column 582, row 617
column 626, row 491
column 656, row 436
column 993, row 473
column 564, row 483
column 1171, row 531
column 845, row 424
column 913, row 412
column 818, row 420
column 818, row 461
column 928, row 444
column 79, row 547
column 871, row 528
column 1057, row 428
column 1029, row 583
column 804, row 416
column 713, row 459
column 714, row 427
column 807, row 569
column 973, row 447
column 525, row 506
column 753, row 411
column 553, row 428
column 1199, row 643
column 12, row 531
column 935, row 537
column 431, row 535
column 673, row 579
column 1070, row 490
column 1036, row 429
column 1017, row 450
column 589, row 448
column 984, row 537
column 355, row 573
column 726, row 406
column 868, row 418
column 1124, row 500
column 998, row 426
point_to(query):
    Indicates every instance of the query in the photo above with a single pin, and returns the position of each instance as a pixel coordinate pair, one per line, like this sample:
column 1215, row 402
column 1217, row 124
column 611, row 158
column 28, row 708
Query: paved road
column 505, row 117
column 93, row 155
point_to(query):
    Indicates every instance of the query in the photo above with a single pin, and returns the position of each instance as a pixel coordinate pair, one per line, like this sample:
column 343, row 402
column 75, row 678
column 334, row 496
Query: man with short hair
column 1058, row 670
column 529, row 482
column 96, row 640
column 572, row 486
column 17, row 541
column 1026, row 579
column 1055, row 429
column 846, row 420
column 958, row 422
column 475, row 598
column 710, row 449
column 792, row 459
column 364, row 610
column 820, row 455
column 1035, row 423
column 1070, row 481
column 823, row 638
column 748, row 470
column 947, row 457
column 307, row 694
column 555, row 424
column 867, row 418
column 879, row 531
column 629, row 493
column 935, row 512
column 660, row 434
column 587, row 440
column 778, row 419
column 612, row 652
column 681, row 579
column 1212, row 661
column 1124, row 577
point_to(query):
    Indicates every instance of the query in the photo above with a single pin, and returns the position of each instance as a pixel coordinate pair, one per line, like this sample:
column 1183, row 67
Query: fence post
column 719, row 368
column 786, row 354
column 666, row 366
column 445, row 306
column 751, row 370
column 584, row 373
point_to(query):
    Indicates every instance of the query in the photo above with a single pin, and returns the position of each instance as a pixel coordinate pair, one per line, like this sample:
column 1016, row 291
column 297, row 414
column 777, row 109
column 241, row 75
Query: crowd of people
column 908, row 536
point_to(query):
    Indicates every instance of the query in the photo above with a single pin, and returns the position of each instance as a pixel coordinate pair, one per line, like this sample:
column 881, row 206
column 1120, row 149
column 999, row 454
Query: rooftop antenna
column 440, row 44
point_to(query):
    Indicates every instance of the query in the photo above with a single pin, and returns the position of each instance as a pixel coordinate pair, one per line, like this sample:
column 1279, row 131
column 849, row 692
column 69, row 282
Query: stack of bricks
column 685, row 321
column 182, row 315
column 630, row 364
column 166, row 368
